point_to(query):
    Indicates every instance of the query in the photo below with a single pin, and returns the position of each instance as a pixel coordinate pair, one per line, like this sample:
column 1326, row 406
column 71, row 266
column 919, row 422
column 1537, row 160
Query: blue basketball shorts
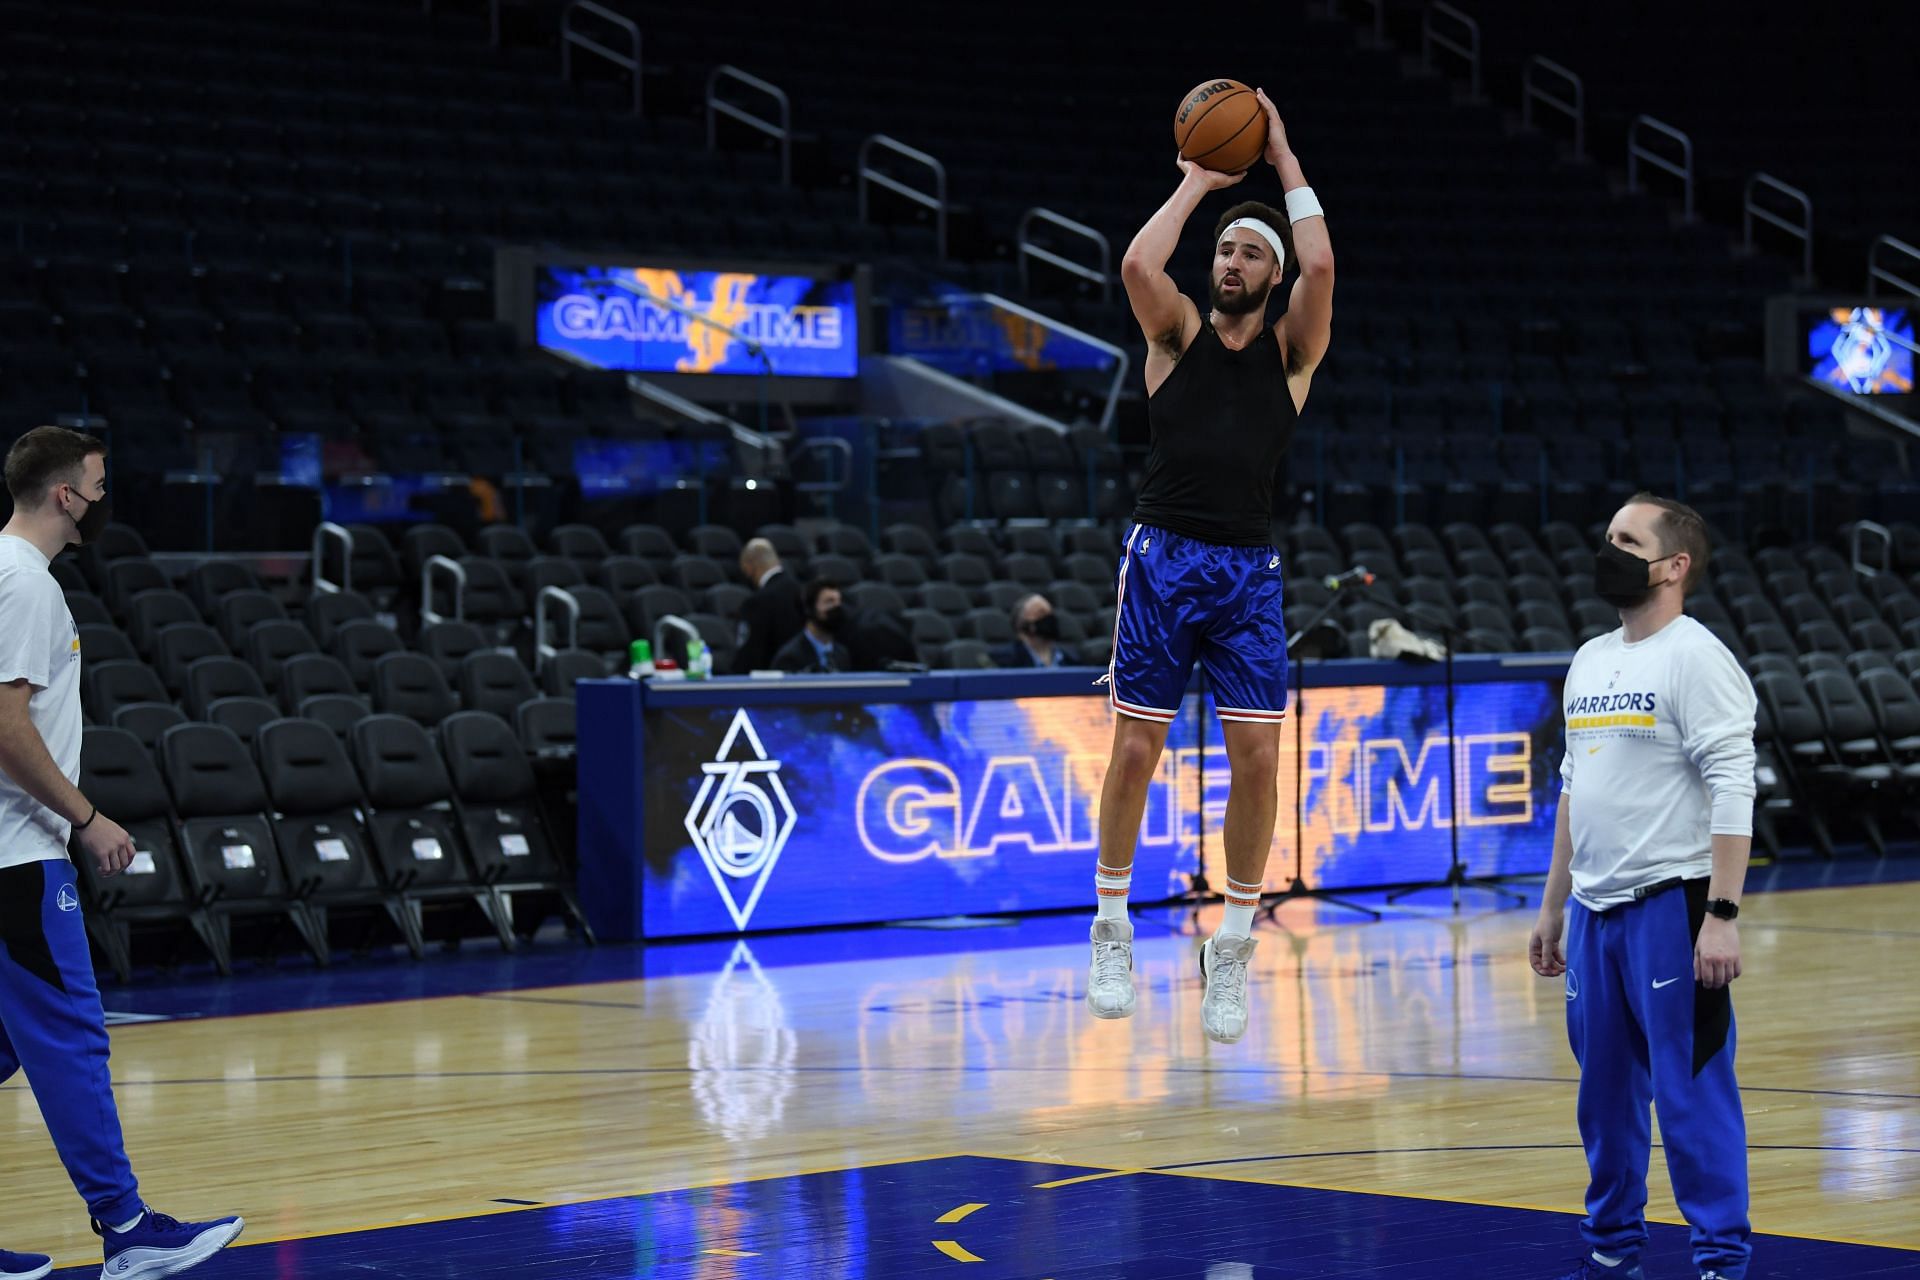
column 1181, row 601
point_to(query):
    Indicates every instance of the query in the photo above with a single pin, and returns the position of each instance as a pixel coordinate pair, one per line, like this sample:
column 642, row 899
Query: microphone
column 1356, row 576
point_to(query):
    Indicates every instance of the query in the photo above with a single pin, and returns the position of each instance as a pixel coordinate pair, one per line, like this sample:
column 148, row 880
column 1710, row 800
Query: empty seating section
column 245, row 239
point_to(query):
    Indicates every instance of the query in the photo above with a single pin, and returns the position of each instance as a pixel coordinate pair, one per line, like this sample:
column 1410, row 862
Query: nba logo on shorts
column 741, row 818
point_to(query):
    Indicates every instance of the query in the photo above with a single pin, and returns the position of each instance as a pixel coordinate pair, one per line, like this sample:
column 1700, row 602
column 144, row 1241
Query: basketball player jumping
column 1199, row 579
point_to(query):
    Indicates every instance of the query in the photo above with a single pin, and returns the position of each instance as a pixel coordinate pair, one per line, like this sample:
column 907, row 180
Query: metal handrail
column 1576, row 110
column 1877, row 273
column 340, row 533
column 1122, row 361
column 674, row 622
column 455, row 571
column 1860, row 565
column 1636, row 153
column 682, row 309
column 566, row 600
column 1028, row 249
column 937, row 201
column 827, row 445
column 1430, row 37
column 1801, row 231
column 569, row 37
column 783, row 131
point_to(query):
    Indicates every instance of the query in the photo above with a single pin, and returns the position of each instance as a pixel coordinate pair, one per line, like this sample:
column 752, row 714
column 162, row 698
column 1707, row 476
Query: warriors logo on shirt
column 1611, row 716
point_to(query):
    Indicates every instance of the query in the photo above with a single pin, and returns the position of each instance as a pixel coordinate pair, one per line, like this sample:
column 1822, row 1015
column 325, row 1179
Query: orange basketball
column 1221, row 126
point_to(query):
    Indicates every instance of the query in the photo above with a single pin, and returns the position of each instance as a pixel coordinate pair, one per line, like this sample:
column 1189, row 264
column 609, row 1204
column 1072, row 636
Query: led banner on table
column 808, row 325
column 769, row 817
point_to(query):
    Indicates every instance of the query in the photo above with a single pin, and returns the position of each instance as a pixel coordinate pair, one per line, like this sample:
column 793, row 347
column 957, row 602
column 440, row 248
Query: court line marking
column 575, row 1202
column 1176, row 1172
column 955, row 1250
column 729, row 1253
column 1512, row 1146
column 1107, row 1171
column 955, row 1215
column 1086, row 1177
column 963, row 1068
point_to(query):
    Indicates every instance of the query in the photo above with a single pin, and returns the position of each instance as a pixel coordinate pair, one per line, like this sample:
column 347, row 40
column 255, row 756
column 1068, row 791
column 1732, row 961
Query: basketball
column 1221, row 126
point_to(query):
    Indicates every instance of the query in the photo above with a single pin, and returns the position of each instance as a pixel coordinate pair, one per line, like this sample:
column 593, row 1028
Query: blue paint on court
column 879, row 1223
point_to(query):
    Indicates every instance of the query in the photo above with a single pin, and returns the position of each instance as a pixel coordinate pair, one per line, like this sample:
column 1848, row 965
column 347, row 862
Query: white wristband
column 1302, row 203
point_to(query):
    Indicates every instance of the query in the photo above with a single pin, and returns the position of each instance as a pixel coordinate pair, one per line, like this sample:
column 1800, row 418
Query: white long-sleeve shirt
column 1660, row 739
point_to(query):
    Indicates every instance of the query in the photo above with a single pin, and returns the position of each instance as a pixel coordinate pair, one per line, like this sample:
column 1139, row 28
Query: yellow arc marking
column 954, row 1215
column 1087, row 1177
column 953, row 1249
column 730, row 1253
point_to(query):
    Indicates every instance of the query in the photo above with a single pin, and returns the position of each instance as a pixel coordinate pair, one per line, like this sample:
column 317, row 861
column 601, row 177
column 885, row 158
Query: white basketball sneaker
column 1223, row 1010
column 1110, row 972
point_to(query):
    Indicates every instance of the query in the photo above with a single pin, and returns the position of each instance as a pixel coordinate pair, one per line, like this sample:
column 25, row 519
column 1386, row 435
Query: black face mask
column 98, row 515
column 1620, row 577
column 1045, row 627
column 835, row 620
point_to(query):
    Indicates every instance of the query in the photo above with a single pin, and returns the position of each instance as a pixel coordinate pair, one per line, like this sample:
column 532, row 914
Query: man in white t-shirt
column 1652, row 844
column 51, row 1022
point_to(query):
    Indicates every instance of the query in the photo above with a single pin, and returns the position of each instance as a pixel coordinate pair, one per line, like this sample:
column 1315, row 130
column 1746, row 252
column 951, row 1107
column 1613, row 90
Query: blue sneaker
column 24, row 1266
column 1588, row 1269
column 158, row 1246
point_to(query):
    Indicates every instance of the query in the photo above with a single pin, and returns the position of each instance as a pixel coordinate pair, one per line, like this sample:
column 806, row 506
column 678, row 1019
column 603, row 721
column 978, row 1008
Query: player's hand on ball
column 1716, row 953
column 1543, row 948
column 1276, row 132
column 1211, row 179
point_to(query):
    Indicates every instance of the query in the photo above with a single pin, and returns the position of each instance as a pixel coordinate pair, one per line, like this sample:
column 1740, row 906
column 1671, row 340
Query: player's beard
column 1245, row 300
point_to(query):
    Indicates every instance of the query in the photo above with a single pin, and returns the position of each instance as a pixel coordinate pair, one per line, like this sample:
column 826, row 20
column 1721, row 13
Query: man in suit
column 1036, row 636
column 772, row 615
column 817, row 650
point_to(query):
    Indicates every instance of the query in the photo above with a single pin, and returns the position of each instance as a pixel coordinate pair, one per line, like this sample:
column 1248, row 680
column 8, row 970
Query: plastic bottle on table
column 641, row 660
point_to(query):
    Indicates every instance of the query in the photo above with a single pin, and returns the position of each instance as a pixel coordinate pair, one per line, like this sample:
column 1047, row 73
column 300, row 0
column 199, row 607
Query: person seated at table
column 1036, row 636
column 818, row 649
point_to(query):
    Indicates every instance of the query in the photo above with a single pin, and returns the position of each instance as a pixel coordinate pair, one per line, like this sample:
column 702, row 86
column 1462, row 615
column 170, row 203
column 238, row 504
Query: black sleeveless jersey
column 1218, row 425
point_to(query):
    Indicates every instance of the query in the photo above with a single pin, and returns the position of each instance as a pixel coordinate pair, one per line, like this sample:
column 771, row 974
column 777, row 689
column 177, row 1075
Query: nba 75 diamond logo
column 741, row 818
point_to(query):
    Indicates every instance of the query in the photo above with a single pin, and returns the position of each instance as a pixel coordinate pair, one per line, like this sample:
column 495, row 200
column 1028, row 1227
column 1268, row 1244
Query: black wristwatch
column 1723, row 908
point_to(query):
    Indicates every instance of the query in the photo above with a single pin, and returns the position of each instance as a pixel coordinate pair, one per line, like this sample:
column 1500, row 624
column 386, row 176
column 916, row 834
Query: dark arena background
column 444, row 351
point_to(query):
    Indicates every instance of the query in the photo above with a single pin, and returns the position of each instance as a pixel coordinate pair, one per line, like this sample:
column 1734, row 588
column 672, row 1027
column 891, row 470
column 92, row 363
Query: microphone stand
column 1456, row 878
column 1297, row 888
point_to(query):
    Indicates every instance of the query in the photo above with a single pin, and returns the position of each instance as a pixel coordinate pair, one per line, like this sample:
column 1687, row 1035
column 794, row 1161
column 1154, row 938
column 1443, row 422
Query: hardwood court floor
column 1419, row 1056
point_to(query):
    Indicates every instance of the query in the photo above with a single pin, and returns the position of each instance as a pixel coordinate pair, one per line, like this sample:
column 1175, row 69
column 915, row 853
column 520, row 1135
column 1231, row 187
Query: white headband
column 1262, row 230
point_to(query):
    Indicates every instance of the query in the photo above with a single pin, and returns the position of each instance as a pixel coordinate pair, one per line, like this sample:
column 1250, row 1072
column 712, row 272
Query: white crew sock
column 1605, row 1261
column 120, row 1231
column 1242, row 901
column 1111, row 888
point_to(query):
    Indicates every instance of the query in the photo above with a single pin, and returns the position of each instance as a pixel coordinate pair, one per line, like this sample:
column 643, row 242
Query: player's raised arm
column 1308, row 325
column 1164, row 314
